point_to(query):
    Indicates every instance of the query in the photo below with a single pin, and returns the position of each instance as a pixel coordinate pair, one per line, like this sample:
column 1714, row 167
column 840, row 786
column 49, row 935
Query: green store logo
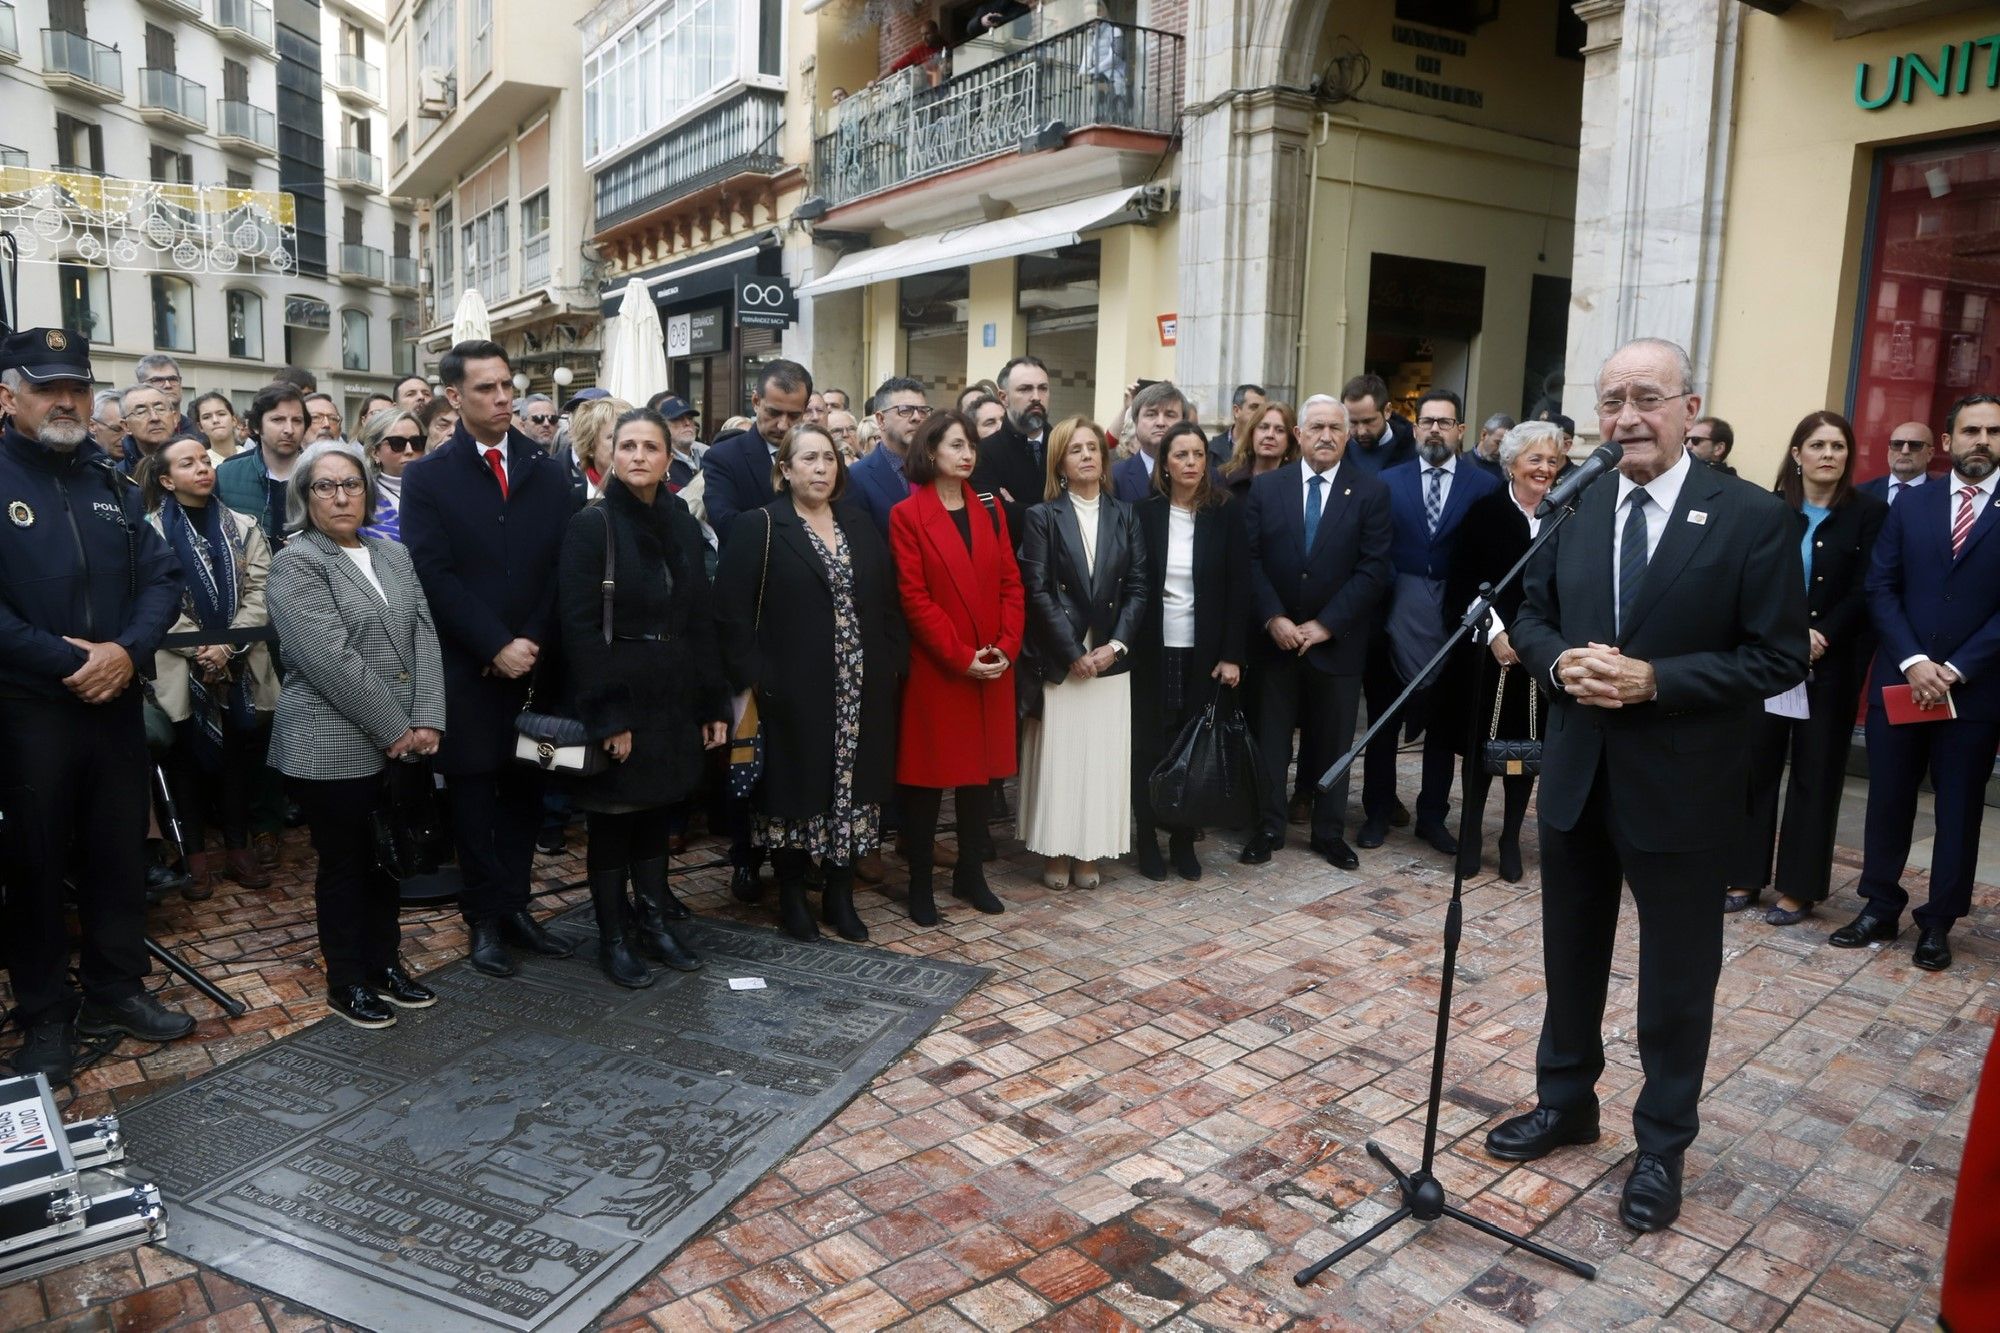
column 1961, row 68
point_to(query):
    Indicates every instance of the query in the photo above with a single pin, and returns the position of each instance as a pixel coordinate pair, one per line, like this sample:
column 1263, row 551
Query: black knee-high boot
column 614, row 943
column 658, row 911
column 837, row 903
column 1474, row 787
column 1514, row 793
column 794, row 917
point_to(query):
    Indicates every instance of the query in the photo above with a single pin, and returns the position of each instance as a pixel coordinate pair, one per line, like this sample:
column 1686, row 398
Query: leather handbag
column 406, row 830
column 1209, row 777
column 556, row 743
column 1512, row 758
column 746, row 738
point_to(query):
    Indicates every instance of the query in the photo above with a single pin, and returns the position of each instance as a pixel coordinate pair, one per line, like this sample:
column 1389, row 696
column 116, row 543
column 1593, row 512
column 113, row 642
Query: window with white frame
column 436, row 27
column 535, row 239
column 354, row 340
column 447, row 271
column 675, row 57
column 173, row 313
column 245, row 311
column 479, row 45
column 484, row 242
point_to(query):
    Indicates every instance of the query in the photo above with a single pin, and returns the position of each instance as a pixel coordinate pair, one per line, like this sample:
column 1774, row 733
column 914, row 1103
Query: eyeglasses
column 162, row 381
column 409, row 444
column 326, row 487
column 1444, row 423
column 908, row 411
column 156, row 410
column 841, row 432
column 1644, row 403
column 1908, row 446
column 538, row 420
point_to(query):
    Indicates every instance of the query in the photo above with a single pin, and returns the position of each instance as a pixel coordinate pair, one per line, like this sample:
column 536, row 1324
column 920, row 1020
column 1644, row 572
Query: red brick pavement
column 1154, row 1113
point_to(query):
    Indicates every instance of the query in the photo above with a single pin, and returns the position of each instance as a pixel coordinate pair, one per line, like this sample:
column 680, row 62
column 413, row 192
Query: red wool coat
column 957, row 731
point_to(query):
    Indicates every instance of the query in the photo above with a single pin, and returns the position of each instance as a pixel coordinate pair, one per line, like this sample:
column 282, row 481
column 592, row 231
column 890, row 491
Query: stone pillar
column 1659, row 79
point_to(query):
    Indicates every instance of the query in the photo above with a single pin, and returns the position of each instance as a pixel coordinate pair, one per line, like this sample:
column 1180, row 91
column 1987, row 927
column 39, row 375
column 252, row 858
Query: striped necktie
column 1961, row 526
column 1632, row 557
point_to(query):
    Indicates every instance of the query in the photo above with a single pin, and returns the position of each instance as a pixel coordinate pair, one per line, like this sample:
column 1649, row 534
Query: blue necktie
column 1313, row 506
column 1632, row 558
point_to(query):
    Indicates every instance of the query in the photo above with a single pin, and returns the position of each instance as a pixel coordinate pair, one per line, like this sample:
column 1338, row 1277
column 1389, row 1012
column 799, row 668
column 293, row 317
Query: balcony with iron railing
column 1098, row 75
column 243, row 128
column 10, row 35
column 243, row 23
column 360, row 264
column 357, row 169
column 167, row 99
column 355, row 77
column 402, row 273
column 72, row 63
column 735, row 137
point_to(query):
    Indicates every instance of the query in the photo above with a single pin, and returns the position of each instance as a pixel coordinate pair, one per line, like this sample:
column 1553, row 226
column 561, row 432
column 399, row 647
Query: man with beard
column 1156, row 409
column 413, row 393
column 1428, row 497
column 1934, row 593
column 87, row 591
column 1010, row 466
column 1381, row 438
column 877, row 482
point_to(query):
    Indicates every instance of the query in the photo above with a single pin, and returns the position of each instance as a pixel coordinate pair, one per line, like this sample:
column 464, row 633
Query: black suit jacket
column 488, row 567
column 1721, row 617
column 1070, row 598
column 738, row 468
column 1340, row 582
column 1221, row 597
column 1837, row 582
column 1007, row 463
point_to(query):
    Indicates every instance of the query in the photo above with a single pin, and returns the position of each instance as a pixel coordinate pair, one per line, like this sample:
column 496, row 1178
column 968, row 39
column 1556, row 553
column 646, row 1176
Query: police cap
column 45, row 355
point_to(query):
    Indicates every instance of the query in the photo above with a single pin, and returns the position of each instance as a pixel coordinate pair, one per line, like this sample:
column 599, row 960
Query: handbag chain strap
column 764, row 576
column 610, row 584
column 1499, row 694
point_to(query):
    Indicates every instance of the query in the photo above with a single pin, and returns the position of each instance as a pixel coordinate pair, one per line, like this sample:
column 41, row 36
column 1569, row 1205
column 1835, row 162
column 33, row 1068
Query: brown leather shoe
column 242, row 866
column 199, row 871
column 869, row 869
column 265, row 845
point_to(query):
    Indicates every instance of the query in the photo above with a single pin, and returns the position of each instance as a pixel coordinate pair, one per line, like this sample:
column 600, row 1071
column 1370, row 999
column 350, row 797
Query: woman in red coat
column 962, row 599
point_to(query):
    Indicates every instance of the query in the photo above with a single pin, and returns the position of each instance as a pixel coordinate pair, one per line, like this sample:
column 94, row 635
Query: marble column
column 1658, row 82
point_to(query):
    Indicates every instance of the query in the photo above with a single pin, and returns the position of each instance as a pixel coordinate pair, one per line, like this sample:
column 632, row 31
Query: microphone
column 1602, row 460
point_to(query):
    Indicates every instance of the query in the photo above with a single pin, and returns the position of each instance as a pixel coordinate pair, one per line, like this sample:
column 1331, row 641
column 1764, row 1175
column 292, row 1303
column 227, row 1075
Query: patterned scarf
column 209, row 556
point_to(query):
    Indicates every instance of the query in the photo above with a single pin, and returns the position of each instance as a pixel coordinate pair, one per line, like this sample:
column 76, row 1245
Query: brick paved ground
column 1154, row 1113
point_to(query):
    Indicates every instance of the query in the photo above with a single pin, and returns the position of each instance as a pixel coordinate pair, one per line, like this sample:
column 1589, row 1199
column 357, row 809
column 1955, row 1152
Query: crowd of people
column 920, row 599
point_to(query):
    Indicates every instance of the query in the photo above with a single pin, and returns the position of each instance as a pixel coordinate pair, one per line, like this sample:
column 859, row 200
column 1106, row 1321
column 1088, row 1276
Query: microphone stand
column 1423, row 1196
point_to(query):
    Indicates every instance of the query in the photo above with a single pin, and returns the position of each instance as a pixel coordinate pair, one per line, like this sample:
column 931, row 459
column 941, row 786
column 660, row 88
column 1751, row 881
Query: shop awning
column 665, row 282
column 1024, row 233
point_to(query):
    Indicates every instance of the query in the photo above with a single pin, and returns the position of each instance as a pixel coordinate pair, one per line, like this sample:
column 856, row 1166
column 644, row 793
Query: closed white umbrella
column 635, row 351
column 469, row 323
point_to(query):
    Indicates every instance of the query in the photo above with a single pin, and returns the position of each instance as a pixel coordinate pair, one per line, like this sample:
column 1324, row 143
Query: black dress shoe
column 1337, row 853
column 550, row 842
column 1399, row 814
column 1257, row 851
column 1148, row 859
column 403, row 990
column 162, row 880
column 361, row 1007
column 1180, row 850
column 1510, row 860
column 1374, row 832
column 50, row 1051
column 1437, row 835
column 1539, row 1133
column 521, row 930
column 485, row 952
column 744, row 886
column 1865, row 929
column 1652, row 1193
column 1933, row 949
column 139, row 1016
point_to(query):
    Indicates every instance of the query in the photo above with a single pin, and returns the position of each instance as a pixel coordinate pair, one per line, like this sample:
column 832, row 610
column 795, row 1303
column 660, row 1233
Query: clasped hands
column 1930, row 682
column 1298, row 638
column 106, row 671
column 1093, row 663
column 989, row 663
column 1598, row 675
column 514, row 661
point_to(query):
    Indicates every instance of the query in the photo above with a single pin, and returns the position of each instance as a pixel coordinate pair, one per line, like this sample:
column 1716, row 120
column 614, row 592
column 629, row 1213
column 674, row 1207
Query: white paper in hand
column 1792, row 703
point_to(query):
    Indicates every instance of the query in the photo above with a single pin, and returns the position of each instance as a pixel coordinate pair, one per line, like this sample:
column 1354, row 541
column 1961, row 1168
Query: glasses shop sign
column 1962, row 69
column 696, row 333
column 765, row 302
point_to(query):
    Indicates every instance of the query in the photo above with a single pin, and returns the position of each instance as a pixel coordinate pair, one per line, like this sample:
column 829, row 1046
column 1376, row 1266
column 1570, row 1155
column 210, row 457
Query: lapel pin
column 1698, row 517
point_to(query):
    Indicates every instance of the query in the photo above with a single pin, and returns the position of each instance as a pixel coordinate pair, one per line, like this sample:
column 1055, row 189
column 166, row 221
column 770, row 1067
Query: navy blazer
column 1879, row 486
column 488, row 567
column 1416, row 549
column 877, row 484
column 738, row 468
column 1924, row 601
column 1340, row 582
column 1130, row 481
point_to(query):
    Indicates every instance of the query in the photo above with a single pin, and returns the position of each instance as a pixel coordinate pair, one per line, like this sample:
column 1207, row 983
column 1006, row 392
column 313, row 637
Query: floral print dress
column 849, row 831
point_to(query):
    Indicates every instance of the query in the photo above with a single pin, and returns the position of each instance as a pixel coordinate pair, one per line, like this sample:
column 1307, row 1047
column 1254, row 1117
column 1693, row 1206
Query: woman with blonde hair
column 1083, row 571
column 390, row 440
column 591, row 424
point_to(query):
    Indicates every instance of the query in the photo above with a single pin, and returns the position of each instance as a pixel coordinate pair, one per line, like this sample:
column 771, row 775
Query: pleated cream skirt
column 1076, row 770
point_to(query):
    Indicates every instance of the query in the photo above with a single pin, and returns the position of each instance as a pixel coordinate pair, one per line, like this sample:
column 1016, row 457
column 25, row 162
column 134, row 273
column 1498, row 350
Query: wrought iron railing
column 72, row 53
column 733, row 137
column 899, row 130
column 165, row 90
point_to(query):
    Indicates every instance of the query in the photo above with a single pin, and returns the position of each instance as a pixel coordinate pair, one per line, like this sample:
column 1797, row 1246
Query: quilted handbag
column 555, row 743
column 1512, row 758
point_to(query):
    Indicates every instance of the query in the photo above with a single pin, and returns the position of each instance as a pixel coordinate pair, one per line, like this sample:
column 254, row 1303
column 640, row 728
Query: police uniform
column 75, row 563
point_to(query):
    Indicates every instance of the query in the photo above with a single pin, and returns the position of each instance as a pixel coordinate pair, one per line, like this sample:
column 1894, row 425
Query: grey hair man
column 107, row 422
column 1486, row 450
column 536, row 417
column 163, row 373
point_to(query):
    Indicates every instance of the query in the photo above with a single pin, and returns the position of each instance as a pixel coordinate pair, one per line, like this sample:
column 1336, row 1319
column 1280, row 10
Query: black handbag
column 1210, row 777
column 1512, row 758
column 550, row 741
column 406, row 829
column 746, row 738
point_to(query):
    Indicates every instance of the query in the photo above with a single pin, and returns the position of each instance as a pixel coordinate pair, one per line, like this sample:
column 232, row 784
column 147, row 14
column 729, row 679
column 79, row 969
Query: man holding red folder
column 1934, row 592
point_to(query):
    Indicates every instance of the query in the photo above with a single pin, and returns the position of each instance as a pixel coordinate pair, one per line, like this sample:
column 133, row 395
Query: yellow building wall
column 1796, row 209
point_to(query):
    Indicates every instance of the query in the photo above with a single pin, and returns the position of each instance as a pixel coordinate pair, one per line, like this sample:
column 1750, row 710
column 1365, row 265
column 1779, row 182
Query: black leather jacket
column 1066, row 601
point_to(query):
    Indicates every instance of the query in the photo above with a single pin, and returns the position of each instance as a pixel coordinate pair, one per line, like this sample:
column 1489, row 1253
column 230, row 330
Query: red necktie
column 1961, row 527
column 497, row 460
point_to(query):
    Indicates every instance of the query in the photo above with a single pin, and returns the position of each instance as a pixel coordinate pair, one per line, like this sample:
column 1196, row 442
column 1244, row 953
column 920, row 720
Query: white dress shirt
column 1662, row 493
column 1897, row 487
column 1306, row 474
column 1979, row 503
column 1177, row 591
column 1450, row 469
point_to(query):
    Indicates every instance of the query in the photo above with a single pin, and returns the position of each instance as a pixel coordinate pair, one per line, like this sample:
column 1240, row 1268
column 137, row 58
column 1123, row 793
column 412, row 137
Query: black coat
column 1221, row 601
column 488, row 567
column 738, row 468
column 1836, row 585
column 660, row 677
column 788, row 654
column 1491, row 537
column 1341, row 582
column 1070, row 599
column 1006, row 470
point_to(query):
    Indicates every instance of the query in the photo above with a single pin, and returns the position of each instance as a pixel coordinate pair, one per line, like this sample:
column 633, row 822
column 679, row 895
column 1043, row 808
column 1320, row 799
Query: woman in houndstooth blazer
column 363, row 685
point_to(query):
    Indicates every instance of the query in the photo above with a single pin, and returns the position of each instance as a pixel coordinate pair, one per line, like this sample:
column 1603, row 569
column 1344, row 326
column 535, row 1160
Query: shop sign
column 1961, row 69
column 308, row 312
column 697, row 333
column 765, row 302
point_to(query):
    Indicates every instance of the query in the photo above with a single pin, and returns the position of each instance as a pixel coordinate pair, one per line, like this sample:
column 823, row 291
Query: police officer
column 86, row 594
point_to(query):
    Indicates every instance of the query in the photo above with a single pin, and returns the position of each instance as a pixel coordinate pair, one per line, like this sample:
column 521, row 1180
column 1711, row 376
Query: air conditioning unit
column 437, row 91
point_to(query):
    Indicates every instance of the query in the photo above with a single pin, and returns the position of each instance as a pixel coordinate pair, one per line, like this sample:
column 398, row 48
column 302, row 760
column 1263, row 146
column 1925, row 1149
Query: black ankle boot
column 837, row 904
column 1515, row 792
column 968, row 884
column 658, row 911
column 923, row 907
column 614, row 944
column 1146, row 855
column 1180, row 849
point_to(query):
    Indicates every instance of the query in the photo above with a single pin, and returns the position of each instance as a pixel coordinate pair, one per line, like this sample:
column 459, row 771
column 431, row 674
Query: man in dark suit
column 484, row 517
column 1245, row 406
column 1428, row 497
column 1663, row 614
column 1934, row 593
column 1011, row 465
column 877, row 482
column 1319, row 565
column 1156, row 409
column 1909, row 463
column 1381, row 439
column 738, row 465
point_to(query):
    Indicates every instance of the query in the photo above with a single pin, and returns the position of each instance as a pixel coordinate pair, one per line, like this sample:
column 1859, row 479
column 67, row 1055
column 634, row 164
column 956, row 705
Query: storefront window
column 932, row 310
column 1059, row 296
column 1927, row 332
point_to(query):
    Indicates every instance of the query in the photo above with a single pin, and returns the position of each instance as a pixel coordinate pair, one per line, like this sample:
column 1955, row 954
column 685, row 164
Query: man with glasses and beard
column 87, row 591
column 1909, row 463
column 877, row 481
column 1010, row 466
column 1381, row 439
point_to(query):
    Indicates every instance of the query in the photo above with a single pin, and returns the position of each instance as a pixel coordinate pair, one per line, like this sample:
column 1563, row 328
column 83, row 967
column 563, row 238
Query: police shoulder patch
column 23, row 516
